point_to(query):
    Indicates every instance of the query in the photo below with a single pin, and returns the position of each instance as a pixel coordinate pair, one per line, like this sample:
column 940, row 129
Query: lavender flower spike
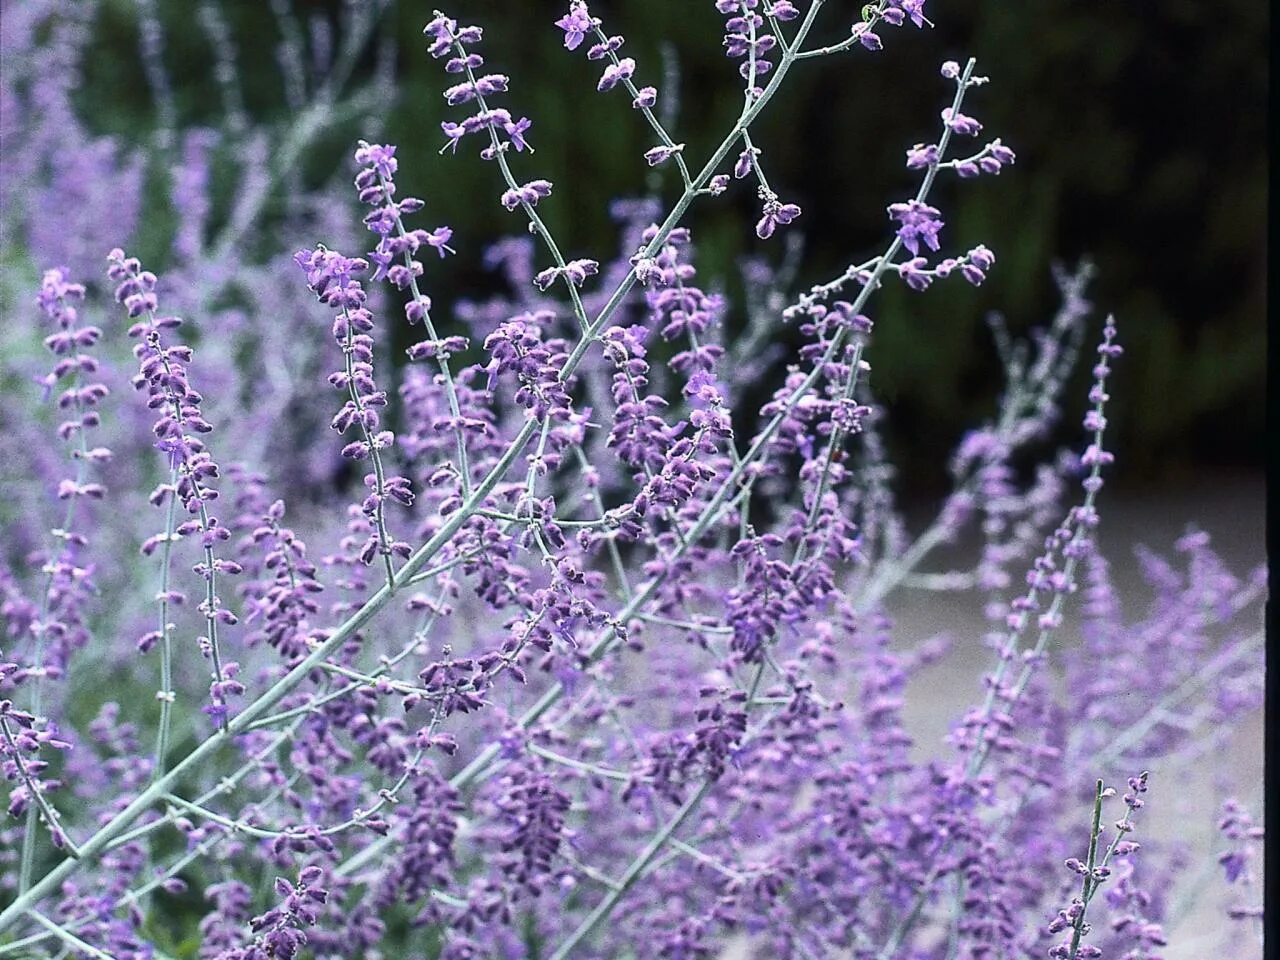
column 333, row 279
column 178, row 430
column 60, row 628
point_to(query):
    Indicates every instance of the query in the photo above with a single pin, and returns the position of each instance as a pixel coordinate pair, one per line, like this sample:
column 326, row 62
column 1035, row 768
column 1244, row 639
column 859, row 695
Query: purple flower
column 518, row 347
column 915, row 274
column 919, row 221
column 448, row 37
column 280, row 933
column 615, row 73
column 516, row 131
column 1000, row 152
column 914, row 9
column 529, row 193
column 922, row 155
column 646, row 97
column 575, row 271
column 576, row 24
column 281, row 599
column 395, row 254
column 661, row 154
column 961, row 124
column 59, row 628
column 773, row 214
column 747, row 38
column 1245, row 838
column 599, row 51
column 869, row 40
column 597, row 711
column 639, row 435
column 22, row 738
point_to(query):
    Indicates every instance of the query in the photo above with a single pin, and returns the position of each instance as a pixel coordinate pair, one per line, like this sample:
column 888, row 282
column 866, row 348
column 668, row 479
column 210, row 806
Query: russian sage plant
column 588, row 649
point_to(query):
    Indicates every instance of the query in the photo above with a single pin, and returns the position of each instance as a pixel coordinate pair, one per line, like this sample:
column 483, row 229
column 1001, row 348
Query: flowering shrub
column 581, row 656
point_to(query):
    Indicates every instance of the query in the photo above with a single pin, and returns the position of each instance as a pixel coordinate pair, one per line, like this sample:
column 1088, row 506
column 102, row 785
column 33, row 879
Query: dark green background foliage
column 1138, row 126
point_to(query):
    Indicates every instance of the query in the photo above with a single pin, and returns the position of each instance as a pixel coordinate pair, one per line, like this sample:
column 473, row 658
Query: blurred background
column 1138, row 127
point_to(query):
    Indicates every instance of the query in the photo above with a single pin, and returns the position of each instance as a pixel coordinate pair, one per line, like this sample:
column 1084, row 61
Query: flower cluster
column 393, row 258
column 774, row 213
column 531, row 812
column 281, row 931
column 21, row 745
column 577, row 24
column 719, row 726
column 919, row 223
column 281, row 601
column 893, row 12
column 575, row 273
column 519, row 347
column 746, row 39
column 639, row 434
column 526, row 194
column 450, row 40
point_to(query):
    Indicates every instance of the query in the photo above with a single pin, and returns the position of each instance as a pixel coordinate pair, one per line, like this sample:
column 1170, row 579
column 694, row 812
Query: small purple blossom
column 898, row 11
column 281, row 932
column 870, row 41
column 919, row 222
column 615, row 73
column 746, row 159
column 963, row 125
column 60, row 626
column 576, row 24
column 529, row 193
column 574, row 271
column 922, row 155
column 774, row 213
column 661, row 154
column 747, row 38
column 22, row 739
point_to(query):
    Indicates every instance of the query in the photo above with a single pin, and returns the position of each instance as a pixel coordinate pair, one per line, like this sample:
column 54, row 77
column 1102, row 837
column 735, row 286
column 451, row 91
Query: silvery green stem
column 629, row 876
column 1088, row 884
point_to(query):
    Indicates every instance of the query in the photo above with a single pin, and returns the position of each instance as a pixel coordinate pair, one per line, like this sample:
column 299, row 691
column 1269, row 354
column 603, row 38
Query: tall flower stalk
column 59, row 628
column 192, row 471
